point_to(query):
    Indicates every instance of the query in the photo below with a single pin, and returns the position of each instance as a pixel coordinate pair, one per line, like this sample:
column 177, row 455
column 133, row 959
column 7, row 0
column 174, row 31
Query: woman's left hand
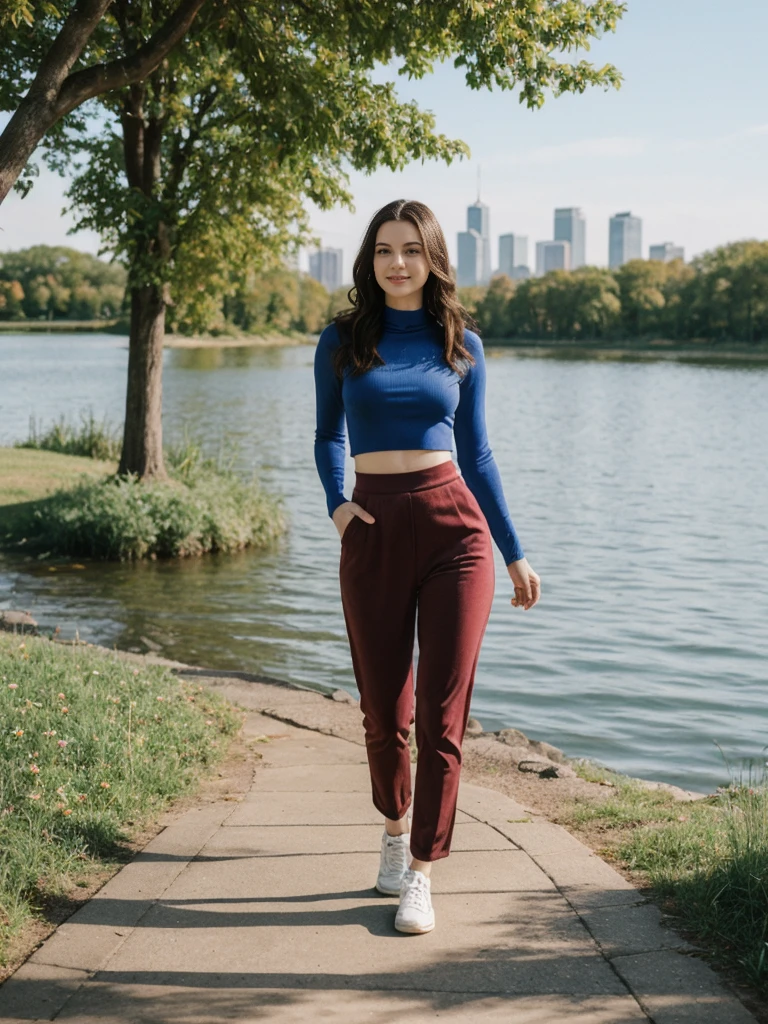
column 527, row 584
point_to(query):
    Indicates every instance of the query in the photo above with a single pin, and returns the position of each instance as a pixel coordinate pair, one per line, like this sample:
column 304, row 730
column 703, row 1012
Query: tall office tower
column 513, row 255
column 470, row 268
column 325, row 267
column 478, row 219
column 520, row 272
column 624, row 239
column 555, row 255
column 666, row 251
column 571, row 227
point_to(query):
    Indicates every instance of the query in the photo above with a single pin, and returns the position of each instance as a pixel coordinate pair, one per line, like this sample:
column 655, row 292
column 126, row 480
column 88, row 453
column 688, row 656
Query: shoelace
column 416, row 895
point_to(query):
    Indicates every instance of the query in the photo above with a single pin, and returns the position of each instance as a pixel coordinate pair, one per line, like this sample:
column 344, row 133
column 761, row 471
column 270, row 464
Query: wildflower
column 34, row 769
column 60, row 791
column 62, row 697
column 81, row 797
column 135, row 671
column 66, row 811
column 65, row 711
column 60, row 806
column 19, row 732
column 104, row 785
column 22, row 647
column 13, row 686
column 95, row 737
column 95, row 673
column 161, row 698
column 209, row 722
column 49, row 732
column 34, row 754
column 34, row 796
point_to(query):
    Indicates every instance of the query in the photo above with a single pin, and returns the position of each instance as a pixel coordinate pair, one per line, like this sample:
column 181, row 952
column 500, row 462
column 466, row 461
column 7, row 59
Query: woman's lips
column 397, row 280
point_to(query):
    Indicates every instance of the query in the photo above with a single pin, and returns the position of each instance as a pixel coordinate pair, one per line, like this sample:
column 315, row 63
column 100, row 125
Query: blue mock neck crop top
column 414, row 401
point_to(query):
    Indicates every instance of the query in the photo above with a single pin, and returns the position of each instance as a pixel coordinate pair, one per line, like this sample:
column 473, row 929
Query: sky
column 683, row 145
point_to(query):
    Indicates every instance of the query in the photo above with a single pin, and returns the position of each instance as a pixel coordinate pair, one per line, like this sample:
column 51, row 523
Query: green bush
column 204, row 506
column 91, row 439
column 89, row 745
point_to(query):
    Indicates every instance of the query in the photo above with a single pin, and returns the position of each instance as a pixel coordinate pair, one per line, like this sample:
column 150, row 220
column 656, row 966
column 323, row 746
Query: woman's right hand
column 345, row 513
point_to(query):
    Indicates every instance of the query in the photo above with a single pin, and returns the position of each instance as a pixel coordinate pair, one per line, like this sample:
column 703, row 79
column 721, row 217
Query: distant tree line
column 57, row 283
column 721, row 295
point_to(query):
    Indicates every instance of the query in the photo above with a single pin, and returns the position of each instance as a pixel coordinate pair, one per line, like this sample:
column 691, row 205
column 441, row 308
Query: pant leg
column 376, row 574
column 454, row 604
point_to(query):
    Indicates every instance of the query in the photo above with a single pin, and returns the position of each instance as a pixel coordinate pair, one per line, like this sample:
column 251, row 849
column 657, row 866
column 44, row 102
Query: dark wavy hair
column 360, row 328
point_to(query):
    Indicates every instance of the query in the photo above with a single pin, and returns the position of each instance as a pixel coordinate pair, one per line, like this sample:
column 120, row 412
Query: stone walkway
column 261, row 907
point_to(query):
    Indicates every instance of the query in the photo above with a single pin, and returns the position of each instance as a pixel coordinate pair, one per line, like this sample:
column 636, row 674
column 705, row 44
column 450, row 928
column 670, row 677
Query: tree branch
column 89, row 82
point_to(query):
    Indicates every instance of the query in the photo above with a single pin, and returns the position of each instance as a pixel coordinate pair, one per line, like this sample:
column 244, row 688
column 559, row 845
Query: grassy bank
column 91, row 749
column 707, row 860
column 48, row 507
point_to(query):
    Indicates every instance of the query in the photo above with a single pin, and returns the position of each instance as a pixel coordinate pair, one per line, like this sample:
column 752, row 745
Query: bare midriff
column 407, row 461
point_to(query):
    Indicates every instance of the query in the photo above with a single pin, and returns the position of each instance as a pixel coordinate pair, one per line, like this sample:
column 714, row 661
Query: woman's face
column 400, row 263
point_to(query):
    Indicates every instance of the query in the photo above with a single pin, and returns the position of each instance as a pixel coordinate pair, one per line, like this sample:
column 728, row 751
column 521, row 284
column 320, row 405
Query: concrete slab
column 625, row 930
column 38, row 991
column 333, row 778
column 309, row 809
column 511, row 943
column 91, row 935
column 237, row 1003
column 587, row 881
column 269, row 841
column 678, row 989
column 315, row 749
column 488, row 806
column 542, row 837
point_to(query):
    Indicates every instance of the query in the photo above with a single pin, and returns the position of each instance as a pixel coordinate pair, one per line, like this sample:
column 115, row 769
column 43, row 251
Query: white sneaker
column 395, row 855
column 415, row 914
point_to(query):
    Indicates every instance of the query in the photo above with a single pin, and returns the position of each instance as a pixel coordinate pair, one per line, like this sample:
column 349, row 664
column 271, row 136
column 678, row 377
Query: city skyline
column 686, row 158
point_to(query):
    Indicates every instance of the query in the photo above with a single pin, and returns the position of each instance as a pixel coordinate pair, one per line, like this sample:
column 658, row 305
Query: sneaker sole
column 387, row 892
column 414, row 929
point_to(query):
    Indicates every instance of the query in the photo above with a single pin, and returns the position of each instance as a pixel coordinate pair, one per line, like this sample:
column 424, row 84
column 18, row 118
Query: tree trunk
column 143, row 435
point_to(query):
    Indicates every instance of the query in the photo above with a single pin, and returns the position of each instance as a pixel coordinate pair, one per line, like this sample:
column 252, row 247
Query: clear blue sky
column 683, row 144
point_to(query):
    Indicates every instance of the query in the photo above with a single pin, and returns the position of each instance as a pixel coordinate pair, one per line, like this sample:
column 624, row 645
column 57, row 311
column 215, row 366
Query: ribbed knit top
column 414, row 401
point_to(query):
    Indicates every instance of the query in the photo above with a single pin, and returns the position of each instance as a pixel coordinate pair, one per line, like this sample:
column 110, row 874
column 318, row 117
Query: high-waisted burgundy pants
column 429, row 550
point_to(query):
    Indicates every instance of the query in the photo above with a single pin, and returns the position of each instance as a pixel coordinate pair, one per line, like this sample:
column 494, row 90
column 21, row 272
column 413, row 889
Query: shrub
column 204, row 506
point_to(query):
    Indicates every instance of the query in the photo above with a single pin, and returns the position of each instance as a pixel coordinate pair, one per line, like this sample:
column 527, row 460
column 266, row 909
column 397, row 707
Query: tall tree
column 195, row 167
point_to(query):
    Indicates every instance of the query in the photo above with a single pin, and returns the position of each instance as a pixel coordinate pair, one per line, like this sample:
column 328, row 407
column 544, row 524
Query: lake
column 639, row 490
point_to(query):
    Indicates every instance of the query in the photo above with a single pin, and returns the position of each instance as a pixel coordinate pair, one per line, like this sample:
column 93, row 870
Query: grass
column 90, row 748
column 91, row 439
column 204, row 506
column 706, row 859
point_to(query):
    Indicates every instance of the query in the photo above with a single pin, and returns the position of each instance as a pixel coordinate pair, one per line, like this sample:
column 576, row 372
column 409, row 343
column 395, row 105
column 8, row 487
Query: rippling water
column 639, row 490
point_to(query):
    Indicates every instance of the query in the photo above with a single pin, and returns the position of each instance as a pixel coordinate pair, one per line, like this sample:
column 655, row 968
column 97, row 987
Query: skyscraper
column 469, row 270
column 666, row 251
column 513, row 255
column 624, row 239
column 478, row 219
column 555, row 255
column 570, row 226
column 325, row 267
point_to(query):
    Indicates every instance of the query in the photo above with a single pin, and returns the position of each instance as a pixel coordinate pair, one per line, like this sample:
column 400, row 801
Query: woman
column 408, row 376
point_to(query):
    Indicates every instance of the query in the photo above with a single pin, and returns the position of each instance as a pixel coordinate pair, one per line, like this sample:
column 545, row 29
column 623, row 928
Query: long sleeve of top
column 414, row 401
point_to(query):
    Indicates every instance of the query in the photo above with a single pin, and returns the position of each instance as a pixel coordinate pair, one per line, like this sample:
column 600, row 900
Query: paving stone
column 260, row 808
column 309, row 748
column 266, row 841
column 678, row 989
column 588, row 881
column 542, row 837
column 333, row 778
column 514, row 942
column 237, row 1003
column 488, row 806
column 38, row 991
column 625, row 930
column 91, row 935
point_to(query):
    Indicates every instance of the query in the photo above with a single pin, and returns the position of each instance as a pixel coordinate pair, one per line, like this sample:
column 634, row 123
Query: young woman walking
column 408, row 376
